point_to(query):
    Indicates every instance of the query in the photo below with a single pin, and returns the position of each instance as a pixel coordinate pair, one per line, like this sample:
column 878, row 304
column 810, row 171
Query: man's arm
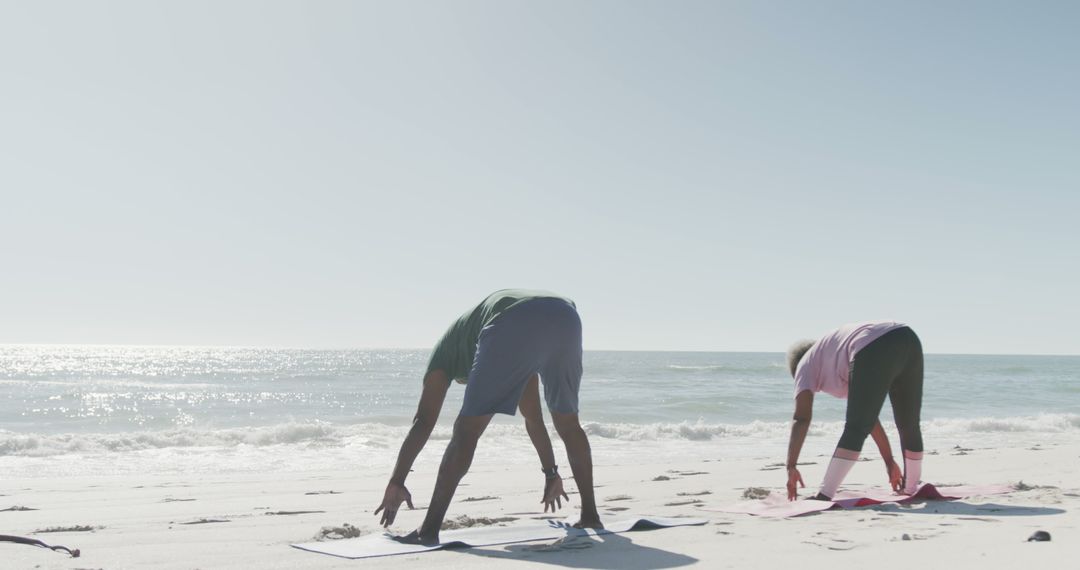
column 891, row 467
column 800, row 426
column 436, row 384
column 534, row 424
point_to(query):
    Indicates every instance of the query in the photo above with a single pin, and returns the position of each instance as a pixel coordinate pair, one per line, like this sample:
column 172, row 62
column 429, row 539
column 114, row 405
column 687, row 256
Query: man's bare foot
column 589, row 522
column 414, row 537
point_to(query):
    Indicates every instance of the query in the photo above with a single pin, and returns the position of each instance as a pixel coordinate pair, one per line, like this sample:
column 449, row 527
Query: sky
column 695, row 175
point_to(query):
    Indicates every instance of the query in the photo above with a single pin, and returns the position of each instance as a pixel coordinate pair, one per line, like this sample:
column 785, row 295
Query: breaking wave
column 320, row 435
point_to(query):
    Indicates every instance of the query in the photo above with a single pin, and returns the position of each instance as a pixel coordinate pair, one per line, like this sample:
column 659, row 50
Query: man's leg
column 455, row 463
column 580, row 455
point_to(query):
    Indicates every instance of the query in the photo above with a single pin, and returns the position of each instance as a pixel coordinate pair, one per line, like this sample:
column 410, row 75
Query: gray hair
column 795, row 354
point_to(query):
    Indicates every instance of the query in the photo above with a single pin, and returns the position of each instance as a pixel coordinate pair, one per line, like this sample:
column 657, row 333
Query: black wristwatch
column 552, row 473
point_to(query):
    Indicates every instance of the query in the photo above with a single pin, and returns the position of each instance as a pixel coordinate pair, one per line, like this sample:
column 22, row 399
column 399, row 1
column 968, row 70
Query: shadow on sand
column 960, row 508
column 602, row 551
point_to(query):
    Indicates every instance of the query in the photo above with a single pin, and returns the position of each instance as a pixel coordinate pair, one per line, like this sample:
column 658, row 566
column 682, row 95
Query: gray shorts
column 537, row 336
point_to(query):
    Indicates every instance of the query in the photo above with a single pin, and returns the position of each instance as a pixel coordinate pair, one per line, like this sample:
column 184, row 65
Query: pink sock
column 835, row 474
column 912, row 472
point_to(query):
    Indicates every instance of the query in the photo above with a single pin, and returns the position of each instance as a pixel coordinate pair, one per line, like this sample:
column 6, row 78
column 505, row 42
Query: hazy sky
column 696, row 175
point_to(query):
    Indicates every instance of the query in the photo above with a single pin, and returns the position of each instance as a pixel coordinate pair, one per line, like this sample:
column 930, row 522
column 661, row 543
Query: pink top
column 826, row 366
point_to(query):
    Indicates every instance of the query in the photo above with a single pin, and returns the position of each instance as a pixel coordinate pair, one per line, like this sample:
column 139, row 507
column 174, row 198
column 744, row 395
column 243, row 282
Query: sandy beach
column 257, row 253
column 249, row 521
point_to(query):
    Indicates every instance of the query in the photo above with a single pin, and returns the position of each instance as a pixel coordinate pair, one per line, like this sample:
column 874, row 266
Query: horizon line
column 403, row 348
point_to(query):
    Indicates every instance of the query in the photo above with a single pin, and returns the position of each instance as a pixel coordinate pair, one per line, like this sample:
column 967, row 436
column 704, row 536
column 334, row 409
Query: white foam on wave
column 1042, row 423
column 691, row 431
column 44, row 445
column 377, row 436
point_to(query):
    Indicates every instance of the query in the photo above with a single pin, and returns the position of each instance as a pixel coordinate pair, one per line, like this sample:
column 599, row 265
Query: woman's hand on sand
column 794, row 480
column 896, row 476
column 554, row 494
column 393, row 497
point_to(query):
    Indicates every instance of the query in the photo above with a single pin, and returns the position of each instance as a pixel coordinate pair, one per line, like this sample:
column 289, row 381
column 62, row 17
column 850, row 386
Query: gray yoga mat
column 374, row 545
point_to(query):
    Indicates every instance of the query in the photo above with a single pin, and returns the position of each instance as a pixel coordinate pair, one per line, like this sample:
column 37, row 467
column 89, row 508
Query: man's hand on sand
column 554, row 494
column 393, row 497
column 794, row 481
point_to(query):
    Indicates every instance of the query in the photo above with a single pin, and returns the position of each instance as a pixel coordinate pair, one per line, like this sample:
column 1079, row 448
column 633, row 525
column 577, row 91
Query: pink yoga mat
column 777, row 505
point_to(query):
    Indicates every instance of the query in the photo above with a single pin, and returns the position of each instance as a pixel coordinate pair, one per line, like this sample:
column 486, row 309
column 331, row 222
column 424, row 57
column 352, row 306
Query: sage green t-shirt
column 454, row 353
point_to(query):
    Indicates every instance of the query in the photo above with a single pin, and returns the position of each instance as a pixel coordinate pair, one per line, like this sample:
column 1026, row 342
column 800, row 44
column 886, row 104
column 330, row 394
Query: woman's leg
column 906, row 398
column 872, row 373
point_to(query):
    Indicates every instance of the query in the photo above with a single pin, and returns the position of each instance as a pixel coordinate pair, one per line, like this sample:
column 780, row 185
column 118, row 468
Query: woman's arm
column 896, row 475
column 800, row 426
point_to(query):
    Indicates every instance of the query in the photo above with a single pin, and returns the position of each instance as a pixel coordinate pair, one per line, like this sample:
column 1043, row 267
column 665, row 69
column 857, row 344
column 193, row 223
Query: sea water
column 78, row 410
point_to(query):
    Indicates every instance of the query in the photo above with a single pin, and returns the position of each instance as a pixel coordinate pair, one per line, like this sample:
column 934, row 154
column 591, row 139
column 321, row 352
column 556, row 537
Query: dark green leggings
column 892, row 365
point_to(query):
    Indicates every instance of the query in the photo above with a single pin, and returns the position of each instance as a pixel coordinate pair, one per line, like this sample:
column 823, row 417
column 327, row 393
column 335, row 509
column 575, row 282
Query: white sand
column 141, row 517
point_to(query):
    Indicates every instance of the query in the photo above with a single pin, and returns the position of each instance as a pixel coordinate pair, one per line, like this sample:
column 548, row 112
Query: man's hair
column 795, row 354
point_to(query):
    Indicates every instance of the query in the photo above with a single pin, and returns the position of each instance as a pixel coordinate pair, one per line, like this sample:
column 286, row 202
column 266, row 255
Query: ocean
column 80, row 410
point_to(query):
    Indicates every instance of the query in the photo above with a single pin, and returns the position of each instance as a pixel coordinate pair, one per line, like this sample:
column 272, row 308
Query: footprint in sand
column 16, row 508
column 684, row 503
column 205, row 521
column 465, row 521
column 1022, row 486
column 693, row 494
column 778, row 466
column 756, row 493
column 912, row 536
column 337, row 532
column 323, row 493
column 75, row 528
column 172, row 500
column 567, row 543
column 290, row 513
column 614, row 498
column 617, row 509
column 475, row 499
column 832, row 544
